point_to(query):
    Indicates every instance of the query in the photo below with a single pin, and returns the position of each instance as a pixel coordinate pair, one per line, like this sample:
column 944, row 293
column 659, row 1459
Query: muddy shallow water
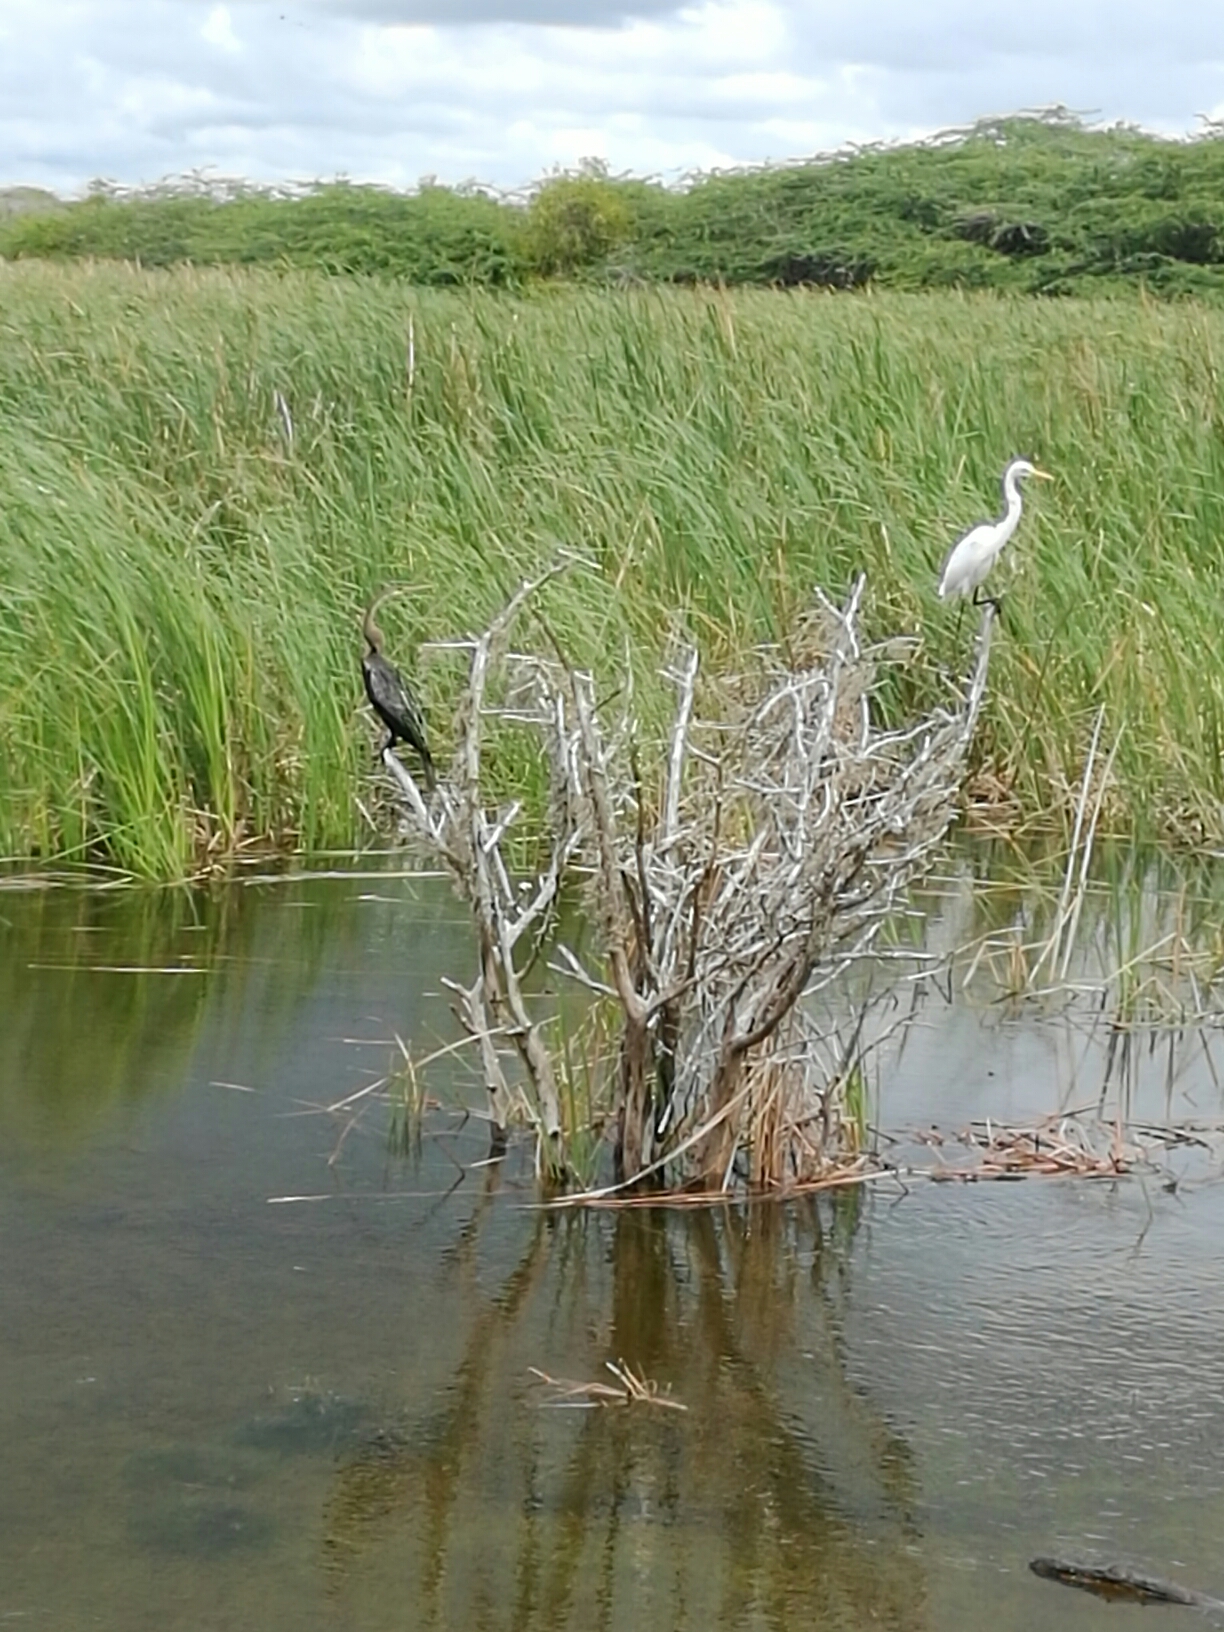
column 260, row 1369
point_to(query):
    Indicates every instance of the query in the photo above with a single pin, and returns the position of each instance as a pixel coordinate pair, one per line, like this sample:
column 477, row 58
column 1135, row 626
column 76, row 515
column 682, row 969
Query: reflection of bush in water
column 127, row 1034
column 781, row 1494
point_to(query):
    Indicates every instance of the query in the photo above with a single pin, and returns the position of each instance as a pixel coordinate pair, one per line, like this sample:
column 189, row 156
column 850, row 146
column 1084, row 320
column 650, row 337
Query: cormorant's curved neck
column 371, row 631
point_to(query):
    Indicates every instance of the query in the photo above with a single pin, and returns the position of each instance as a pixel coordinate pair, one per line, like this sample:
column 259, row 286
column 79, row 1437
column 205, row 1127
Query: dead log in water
column 1120, row 1583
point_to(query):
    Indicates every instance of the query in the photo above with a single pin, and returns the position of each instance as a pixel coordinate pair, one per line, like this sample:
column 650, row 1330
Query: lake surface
column 264, row 1366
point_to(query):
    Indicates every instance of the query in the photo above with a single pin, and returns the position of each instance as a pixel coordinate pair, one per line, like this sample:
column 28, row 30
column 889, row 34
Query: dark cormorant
column 391, row 697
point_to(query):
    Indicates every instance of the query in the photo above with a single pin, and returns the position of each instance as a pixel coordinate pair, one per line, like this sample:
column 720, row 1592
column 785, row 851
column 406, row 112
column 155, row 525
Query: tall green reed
column 203, row 475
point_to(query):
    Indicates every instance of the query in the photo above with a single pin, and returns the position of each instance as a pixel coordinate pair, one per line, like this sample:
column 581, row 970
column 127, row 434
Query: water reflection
column 76, row 1042
column 761, row 1505
column 322, row 1413
column 109, row 996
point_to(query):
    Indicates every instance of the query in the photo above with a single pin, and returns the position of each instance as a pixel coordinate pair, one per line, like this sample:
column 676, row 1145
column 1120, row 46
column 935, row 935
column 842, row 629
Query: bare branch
column 789, row 824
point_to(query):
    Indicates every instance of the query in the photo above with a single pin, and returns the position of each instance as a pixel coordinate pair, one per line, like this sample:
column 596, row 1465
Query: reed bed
column 203, row 475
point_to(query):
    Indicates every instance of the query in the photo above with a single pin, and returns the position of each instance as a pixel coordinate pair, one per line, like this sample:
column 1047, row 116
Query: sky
column 502, row 91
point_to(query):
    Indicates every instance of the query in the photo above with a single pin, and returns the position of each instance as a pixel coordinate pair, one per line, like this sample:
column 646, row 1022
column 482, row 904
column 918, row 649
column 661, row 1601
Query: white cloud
column 729, row 31
column 218, row 30
column 501, row 90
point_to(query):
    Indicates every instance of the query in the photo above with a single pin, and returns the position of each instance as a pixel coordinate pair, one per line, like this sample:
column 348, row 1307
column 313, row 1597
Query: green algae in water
column 310, row 1425
column 195, row 1526
column 202, row 1467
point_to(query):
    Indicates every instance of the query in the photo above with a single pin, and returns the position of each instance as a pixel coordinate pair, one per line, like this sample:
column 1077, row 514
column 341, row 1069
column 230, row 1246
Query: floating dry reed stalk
column 861, row 1169
column 1056, row 1147
column 631, row 1387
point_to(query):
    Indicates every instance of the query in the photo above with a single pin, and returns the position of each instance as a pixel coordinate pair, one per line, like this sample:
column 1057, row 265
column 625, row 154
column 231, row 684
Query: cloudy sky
column 501, row 90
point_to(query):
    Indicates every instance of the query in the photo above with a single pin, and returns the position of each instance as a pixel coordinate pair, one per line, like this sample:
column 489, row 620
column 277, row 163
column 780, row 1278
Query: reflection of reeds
column 1115, row 936
column 141, row 977
column 731, row 1512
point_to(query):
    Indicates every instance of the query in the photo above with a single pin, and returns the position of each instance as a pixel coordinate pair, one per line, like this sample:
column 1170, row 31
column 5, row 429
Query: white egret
column 973, row 554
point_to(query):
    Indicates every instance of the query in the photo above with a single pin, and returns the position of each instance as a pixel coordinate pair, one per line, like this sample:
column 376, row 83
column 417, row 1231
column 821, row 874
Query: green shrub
column 1031, row 204
column 574, row 222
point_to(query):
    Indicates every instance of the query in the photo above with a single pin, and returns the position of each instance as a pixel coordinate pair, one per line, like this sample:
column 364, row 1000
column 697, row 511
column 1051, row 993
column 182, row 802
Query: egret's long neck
column 1011, row 497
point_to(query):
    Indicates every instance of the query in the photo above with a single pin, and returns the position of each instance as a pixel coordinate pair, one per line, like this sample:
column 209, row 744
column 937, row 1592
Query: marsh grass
column 585, row 1051
column 203, row 475
column 1134, row 949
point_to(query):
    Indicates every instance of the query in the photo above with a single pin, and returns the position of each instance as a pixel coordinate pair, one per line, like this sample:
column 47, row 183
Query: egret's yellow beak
column 1041, row 475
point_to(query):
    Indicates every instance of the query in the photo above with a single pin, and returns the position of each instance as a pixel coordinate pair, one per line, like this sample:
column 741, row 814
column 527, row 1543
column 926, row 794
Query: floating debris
column 1119, row 1583
column 630, row 1388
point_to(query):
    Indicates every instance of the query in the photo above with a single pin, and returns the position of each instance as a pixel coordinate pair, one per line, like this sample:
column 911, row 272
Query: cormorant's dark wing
column 395, row 704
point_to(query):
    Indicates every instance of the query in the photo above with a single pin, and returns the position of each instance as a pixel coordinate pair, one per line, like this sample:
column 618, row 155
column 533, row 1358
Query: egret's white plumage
column 973, row 555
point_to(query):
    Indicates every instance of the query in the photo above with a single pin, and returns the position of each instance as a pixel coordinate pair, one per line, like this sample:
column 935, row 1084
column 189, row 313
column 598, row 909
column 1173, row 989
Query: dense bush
column 1040, row 205
column 434, row 236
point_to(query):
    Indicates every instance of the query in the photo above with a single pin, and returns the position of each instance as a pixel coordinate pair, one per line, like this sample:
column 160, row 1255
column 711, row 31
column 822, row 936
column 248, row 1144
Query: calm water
column 222, row 1408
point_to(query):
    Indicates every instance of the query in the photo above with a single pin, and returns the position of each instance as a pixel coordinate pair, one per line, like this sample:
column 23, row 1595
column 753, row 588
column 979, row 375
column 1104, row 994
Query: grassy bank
column 203, row 474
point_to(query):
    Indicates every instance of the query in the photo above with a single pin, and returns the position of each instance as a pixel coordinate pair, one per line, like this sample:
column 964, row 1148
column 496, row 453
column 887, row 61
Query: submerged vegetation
column 204, row 475
column 1038, row 204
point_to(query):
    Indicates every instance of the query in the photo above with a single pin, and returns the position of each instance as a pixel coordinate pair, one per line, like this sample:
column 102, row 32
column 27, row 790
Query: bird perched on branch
column 390, row 695
column 973, row 555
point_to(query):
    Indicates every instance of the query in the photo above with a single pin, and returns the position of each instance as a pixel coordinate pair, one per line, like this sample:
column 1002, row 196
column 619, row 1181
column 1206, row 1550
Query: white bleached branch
column 787, row 824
